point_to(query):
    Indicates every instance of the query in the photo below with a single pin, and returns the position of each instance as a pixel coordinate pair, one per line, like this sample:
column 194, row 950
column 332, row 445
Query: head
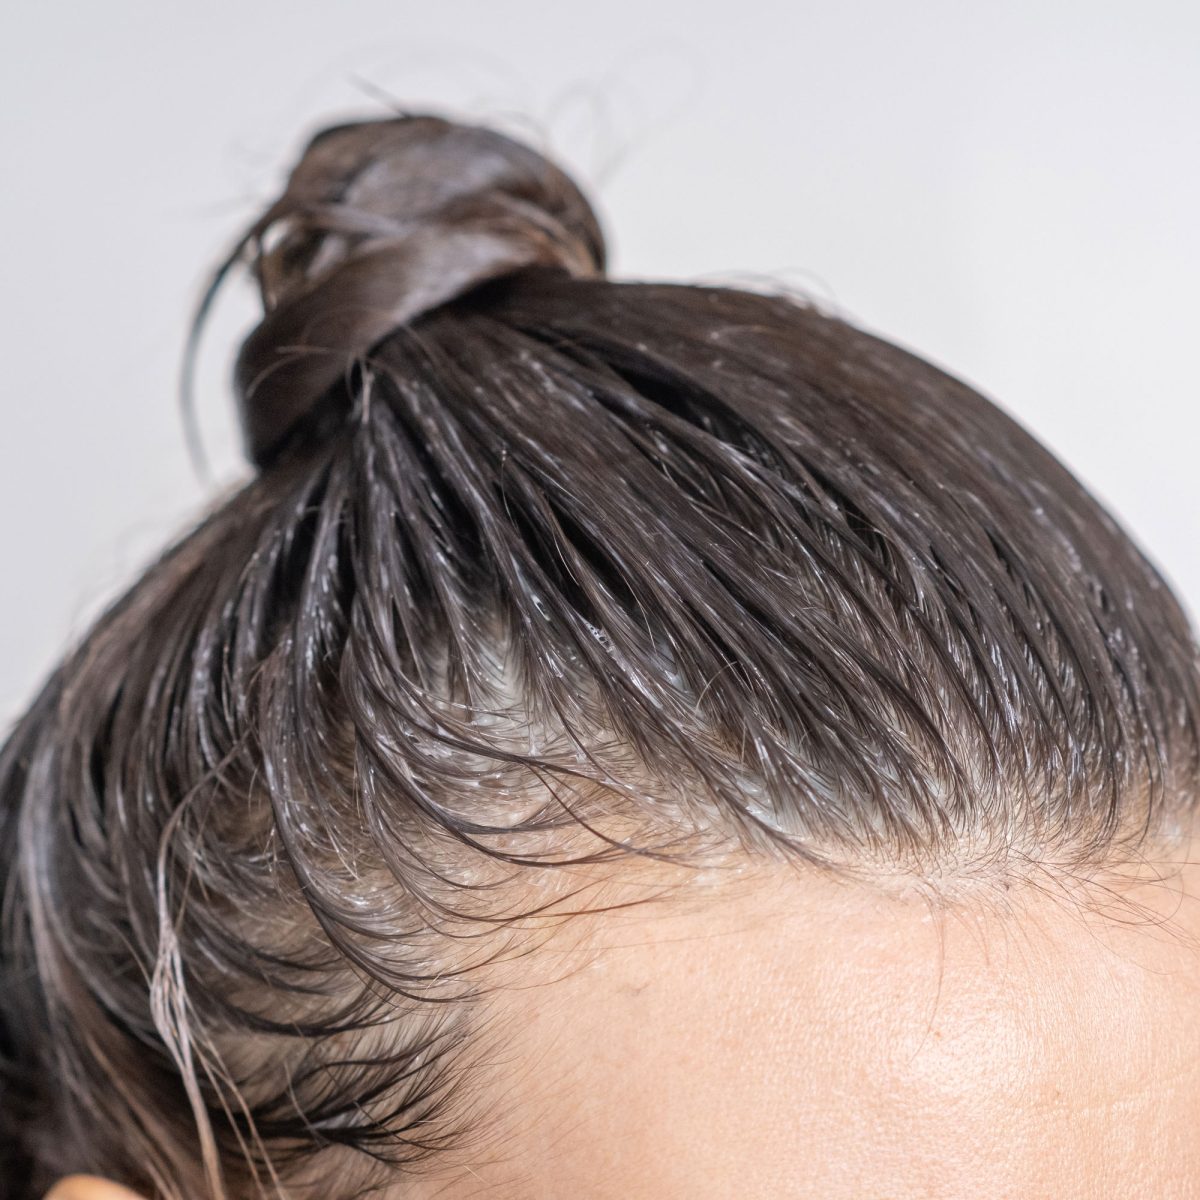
column 626, row 739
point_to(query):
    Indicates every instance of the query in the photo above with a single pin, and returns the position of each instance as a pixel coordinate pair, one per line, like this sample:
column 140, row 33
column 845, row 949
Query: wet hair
column 536, row 568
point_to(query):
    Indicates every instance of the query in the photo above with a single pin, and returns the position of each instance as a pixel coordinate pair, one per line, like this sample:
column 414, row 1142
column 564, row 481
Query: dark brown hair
column 528, row 548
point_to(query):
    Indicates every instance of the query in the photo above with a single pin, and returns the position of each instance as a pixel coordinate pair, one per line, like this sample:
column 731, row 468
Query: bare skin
column 88, row 1187
column 792, row 1037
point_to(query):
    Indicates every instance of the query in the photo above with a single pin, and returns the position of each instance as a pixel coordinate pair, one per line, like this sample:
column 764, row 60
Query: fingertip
column 89, row 1187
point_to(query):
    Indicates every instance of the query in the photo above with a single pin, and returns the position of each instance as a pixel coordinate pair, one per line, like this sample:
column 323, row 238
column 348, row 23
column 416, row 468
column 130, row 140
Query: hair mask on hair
column 553, row 594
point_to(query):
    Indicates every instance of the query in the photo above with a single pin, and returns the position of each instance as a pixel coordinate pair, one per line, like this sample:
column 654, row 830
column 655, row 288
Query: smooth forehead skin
column 797, row 1037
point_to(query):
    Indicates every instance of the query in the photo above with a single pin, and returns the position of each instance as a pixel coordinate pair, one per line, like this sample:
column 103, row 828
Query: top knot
column 382, row 221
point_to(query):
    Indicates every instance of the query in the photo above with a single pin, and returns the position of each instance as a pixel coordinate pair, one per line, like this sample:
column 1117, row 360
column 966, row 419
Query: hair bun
column 380, row 222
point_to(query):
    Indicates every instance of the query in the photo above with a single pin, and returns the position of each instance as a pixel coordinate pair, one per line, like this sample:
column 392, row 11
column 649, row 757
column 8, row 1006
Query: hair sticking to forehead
column 538, row 568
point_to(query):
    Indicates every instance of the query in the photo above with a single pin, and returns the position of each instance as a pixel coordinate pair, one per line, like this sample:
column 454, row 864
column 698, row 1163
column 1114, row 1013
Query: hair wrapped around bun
column 382, row 221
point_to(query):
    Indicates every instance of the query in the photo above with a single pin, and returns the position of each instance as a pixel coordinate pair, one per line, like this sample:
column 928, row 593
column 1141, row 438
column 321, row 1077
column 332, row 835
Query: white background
column 1012, row 190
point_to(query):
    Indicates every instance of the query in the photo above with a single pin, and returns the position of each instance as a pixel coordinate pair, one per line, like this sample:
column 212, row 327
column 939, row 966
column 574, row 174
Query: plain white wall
column 1013, row 190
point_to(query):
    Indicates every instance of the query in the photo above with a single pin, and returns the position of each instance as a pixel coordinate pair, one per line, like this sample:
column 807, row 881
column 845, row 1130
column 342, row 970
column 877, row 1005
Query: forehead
column 796, row 1037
